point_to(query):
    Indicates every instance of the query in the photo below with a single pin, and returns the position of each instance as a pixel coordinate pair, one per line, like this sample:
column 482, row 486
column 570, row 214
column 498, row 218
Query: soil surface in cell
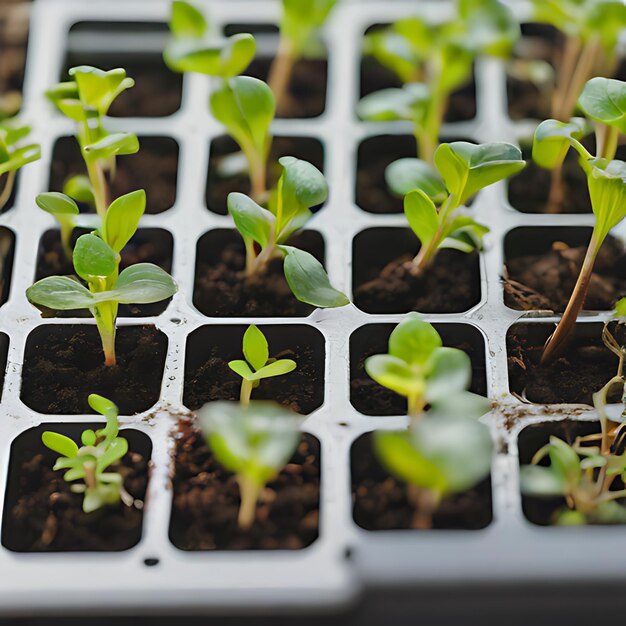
column 370, row 398
column 147, row 246
column 450, row 285
column 13, row 43
column 381, row 503
column 301, row 390
column 154, row 168
column 42, row 514
column 206, row 500
column 64, row 364
column 219, row 185
column 545, row 281
column 222, row 288
column 583, row 368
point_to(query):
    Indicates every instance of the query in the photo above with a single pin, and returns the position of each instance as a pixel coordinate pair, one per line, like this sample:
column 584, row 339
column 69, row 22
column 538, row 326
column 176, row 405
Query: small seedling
column 96, row 261
column 433, row 60
column 588, row 472
column 258, row 364
column 463, row 170
column 604, row 101
column 300, row 23
column 300, row 187
column 446, row 449
column 14, row 154
column 255, row 441
column 99, row 451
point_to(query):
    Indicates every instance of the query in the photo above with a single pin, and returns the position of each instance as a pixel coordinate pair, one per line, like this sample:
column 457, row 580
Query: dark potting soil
column 382, row 282
column 583, row 368
column 546, row 280
column 148, row 245
column 380, row 500
column 208, row 377
column 206, row 500
column 63, row 364
column 222, row 289
column 4, row 352
column 219, row 186
column 42, row 514
column 14, row 18
column 154, row 168
column 370, row 398
column 7, row 250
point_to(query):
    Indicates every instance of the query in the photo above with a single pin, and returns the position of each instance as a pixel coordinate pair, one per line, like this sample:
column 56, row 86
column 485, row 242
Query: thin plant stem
column 281, row 71
column 427, row 253
column 249, row 491
column 7, row 189
column 425, row 502
column 246, row 391
column 571, row 53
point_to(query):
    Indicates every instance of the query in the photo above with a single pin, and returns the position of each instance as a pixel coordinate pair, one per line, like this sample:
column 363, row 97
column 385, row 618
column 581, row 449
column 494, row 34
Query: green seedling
column 265, row 231
column 86, row 100
column 254, row 441
column 96, row 261
column 99, row 451
column 244, row 105
column 604, row 101
column 14, row 154
column 64, row 210
column 258, row 364
column 300, row 23
column 590, row 473
column 432, row 60
column 446, row 449
column 463, row 170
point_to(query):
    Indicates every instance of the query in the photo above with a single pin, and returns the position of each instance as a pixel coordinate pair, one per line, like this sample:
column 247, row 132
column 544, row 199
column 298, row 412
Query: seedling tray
column 155, row 576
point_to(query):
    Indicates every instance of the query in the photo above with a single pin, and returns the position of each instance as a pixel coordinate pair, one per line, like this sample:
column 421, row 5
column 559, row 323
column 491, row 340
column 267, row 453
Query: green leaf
column 65, row 97
column 102, row 405
column 395, row 374
column 308, row 280
column 143, row 283
column 115, row 144
column 60, row 444
column 250, row 219
column 242, row 368
column 467, row 168
column 97, row 88
column 449, row 371
column 277, row 368
column 414, row 340
column 553, row 139
column 94, row 258
column 536, row 480
column 255, row 347
column 407, row 103
column 56, row 203
column 408, row 174
column 620, row 308
column 114, row 452
column 564, row 460
column 79, row 188
column 19, row 157
column 60, row 293
column 393, row 51
column 491, row 26
column 301, row 18
column 460, row 404
column 88, row 437
column 186, row 20
column 422, row 215
column 122, row 219
column 607, row 188
column 604, row 100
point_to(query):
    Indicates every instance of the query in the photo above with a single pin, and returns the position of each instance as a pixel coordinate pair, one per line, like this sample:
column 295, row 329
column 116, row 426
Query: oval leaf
column 250, row 219
column 604, row 100
column 414, row 340
column 115, row 144
column 143, row 283
column 60, row 293
column 422, row 215
column 255, row 347
column 122, row 219
column 405, row 175
column 56, row 203
column 60, row 444
column 94, row 258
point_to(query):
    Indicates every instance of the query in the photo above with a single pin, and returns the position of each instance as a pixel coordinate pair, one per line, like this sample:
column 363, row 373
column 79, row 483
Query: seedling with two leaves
column 266, row 231
column 257, row 365
column 604, row 102
column 445, row 449
column 463, row 170
column 100, row 450
column 96, row 261
column 255, row 441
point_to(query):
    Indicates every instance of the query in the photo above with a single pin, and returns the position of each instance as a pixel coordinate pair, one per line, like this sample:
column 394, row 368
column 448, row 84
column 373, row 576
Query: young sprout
column 587, row 472
column 433, row 60
column 255, row 441
column 604, row 101
column 86, row 100
column 464, row 169
column 244, row 105
column 445, row 449
column 99, row 451
column 258, row 364
column 300, row 187
column 13, row 154
column 96, row 261
column 300, row 23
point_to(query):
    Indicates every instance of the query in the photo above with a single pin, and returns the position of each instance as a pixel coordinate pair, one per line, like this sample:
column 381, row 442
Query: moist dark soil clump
column 206, row 500
column 222, row 288
column 154, row 168
column 219, row 185
column 381, row 503
column 64, row 364
column 546, row 280
column 582, row 369
column 43, row 515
